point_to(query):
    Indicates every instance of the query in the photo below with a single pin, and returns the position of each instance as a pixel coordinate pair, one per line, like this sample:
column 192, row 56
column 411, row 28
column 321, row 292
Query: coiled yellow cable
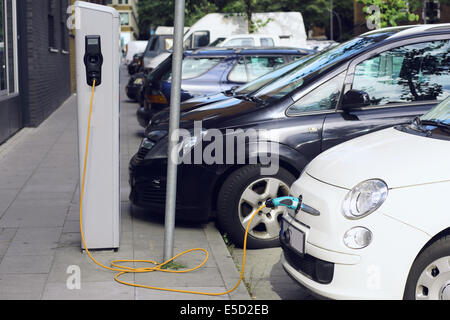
column 122, row 270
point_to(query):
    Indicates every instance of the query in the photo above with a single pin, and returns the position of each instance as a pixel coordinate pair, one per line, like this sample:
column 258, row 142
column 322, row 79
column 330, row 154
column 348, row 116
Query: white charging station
column 97, row 44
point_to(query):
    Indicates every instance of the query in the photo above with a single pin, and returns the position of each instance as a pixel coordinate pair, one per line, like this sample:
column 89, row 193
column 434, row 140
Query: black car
column 135, row 66
column 134, row 86
column 212, row 70
column 377, row 80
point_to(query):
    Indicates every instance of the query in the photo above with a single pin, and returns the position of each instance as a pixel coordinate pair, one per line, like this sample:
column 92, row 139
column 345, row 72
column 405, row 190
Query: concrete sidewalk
column 39, row 224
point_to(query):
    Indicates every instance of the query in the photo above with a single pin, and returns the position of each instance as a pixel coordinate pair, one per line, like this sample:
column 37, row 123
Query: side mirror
column 354, row 99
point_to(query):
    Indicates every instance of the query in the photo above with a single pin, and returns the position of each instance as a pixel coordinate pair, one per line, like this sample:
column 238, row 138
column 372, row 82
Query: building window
column 3, row 82
column 51, row 25
column 8, row 48
column 63, row 29
column 124, row 18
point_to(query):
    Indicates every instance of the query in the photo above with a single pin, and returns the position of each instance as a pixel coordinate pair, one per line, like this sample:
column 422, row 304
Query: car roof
column 250, row 35
column 409, row 30
column 225, row 51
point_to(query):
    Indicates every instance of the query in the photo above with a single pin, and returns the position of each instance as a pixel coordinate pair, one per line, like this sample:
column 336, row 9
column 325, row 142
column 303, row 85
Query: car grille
column 150, row 193
column 315, row 269
column 142, row 153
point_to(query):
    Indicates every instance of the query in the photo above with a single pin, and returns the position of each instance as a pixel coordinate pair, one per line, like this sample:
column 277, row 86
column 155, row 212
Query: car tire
column 429, row 278
column 234, row 209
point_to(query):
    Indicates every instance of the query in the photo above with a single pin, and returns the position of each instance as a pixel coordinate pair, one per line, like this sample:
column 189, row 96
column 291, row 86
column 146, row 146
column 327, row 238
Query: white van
column 134, row 47
column 159, row 45
column 286, row 27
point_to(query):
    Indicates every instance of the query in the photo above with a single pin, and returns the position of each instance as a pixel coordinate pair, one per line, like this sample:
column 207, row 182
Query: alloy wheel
column 266, row 225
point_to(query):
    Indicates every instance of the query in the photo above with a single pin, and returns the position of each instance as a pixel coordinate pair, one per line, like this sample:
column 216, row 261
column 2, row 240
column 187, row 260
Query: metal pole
column 175, row 100
column 331, row 21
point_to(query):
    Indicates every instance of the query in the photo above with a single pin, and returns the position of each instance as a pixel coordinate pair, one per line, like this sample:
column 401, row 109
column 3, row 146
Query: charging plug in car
column 93, row 60
column 288, row 202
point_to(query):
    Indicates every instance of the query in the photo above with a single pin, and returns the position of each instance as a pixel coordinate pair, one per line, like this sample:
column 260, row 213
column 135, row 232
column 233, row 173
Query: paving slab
column 22, row 286
column 106, row 290
column 23, row 264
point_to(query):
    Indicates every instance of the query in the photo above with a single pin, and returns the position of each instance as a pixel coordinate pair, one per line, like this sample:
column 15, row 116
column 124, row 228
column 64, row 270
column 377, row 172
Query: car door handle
column 313, row 130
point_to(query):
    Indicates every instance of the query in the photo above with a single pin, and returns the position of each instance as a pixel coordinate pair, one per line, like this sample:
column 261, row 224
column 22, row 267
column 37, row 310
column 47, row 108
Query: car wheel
column 429, row 278
column 241, row 195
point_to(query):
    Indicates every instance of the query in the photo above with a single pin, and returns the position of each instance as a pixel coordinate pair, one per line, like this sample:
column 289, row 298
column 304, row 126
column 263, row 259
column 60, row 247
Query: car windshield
column 194, row 67
column 269, row 77
column 150, row 46
column 317, row 65
column 439, row 114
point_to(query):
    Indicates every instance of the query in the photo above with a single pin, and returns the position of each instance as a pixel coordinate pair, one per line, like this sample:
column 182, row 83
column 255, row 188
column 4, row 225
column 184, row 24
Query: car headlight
column 365, row 198
column 147, row 144
column 138, row 81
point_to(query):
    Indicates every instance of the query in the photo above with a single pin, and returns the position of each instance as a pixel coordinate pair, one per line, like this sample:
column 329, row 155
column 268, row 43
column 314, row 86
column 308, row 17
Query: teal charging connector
column 288, row 202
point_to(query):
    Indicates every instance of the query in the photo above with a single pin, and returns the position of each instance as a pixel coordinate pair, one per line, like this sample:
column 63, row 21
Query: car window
column 149, row 46
column 217, row 42
column 259, row 66
column 240, row 42
column 155, row 44
column 194, row 67
column 239, row 72
column 201, row 39
column 168, row 43
column 268, row 78
column 250, row 68
column 267, row 42
column 316, row 65
column 417, row 72
column 324, row 97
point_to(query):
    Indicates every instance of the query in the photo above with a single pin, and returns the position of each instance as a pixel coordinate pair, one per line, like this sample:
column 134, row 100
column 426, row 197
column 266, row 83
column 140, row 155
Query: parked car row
column 350, row 123
column 211, row 70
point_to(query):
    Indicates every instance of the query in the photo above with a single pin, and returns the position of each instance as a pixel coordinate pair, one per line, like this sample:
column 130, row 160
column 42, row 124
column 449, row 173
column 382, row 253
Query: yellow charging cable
column 122, row 270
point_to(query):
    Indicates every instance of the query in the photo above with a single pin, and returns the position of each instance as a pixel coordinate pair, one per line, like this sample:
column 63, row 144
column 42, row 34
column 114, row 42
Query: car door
column 402, row 81
column 304, row 128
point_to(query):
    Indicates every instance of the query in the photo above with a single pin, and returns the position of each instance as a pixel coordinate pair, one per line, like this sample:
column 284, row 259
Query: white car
column 375, row 219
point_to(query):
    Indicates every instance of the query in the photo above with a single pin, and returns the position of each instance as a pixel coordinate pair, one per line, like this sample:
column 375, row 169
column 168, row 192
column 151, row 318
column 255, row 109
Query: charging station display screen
column 93, row 42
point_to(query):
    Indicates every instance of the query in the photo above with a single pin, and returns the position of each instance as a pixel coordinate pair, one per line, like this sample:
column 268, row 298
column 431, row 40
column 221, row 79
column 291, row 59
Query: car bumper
column 148, row 181
column 378, row 271
column 143, row 116
column 132, row 91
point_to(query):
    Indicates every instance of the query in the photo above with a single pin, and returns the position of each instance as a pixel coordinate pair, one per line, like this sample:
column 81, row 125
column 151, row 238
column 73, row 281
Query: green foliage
column 154, row 13
column 392, row 12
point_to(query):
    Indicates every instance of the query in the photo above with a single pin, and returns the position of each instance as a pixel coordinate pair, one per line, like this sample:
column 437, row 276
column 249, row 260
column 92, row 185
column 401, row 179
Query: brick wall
column 48, row 80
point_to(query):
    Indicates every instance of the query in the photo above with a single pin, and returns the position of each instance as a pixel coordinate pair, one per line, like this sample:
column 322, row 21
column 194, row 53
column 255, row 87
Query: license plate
column 293, row 237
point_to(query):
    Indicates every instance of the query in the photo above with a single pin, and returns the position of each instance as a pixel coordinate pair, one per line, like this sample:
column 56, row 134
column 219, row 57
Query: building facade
column 35, row 62
column 128, row 20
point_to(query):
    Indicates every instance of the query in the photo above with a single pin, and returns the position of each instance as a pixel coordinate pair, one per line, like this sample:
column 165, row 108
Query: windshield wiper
column 254, row 99
column 417, row 125
column 436, row 123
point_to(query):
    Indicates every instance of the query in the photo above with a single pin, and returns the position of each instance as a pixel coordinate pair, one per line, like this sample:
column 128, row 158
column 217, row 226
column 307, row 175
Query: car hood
column 219, row 110
column 188, row 105
column 215, row 115
column 398, row 158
